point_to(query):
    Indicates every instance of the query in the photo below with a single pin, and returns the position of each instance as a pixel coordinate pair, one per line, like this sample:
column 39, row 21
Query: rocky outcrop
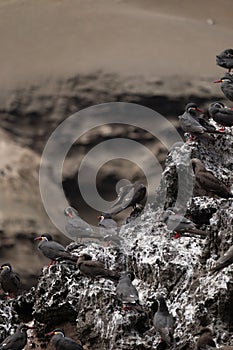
column 177, row 268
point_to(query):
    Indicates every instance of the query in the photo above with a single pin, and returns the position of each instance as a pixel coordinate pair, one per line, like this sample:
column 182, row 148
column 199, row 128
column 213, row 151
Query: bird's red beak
column 99, row 217
column 49, row 334
column 199, row 110
column 217, row 81
column 38, row 239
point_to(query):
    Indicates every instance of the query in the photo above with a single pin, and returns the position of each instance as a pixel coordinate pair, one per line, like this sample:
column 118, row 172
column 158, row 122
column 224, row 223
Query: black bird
column 224, row 261
column 221, row 114
column 108, row 228
column 53, row 250
column 208, row 181
column 205, row 339
column 163, row 322
column 225, row 59
column 95, row 269
column 189, row 120
column 196, row 125
column 127, row 293
column 129, row 196
column 16, row 341
column 77, row 227
column 61, row 342
column 209, row 127
column 10, row 280
column 226, row 85
column 180, row 224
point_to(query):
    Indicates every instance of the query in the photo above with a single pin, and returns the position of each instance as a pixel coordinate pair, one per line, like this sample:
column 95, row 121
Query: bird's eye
column 191, row 109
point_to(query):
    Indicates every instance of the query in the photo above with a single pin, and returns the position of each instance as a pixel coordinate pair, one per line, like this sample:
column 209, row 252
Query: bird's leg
column 126, row 308
column 53, row 262
column 176, row 235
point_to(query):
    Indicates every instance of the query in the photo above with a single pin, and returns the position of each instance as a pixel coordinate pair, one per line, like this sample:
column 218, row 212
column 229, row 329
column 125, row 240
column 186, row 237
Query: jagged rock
column 177, row 268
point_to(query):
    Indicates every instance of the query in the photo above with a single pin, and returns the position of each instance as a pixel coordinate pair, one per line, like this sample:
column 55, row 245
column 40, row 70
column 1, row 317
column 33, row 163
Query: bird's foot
column 127, row 308
column 176, row 235
column 53, row 262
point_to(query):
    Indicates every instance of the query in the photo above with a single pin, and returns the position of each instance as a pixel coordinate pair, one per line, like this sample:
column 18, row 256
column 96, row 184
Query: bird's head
column 55, row 332
column 228, row 78
column 6, row 267
column 100, row 218
column 217, row 105
column 44, row 237
column 129, row 274
column 71, row 212
column 104, row 216
column 197, row 164
column 192, row 107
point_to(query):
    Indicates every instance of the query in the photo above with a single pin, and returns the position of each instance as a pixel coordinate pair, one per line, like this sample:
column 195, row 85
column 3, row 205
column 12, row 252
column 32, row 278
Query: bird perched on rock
column 163, row 322
column 226, row 85
column 189, row 120
column 221, row 114
column 95, row 269
column 16, row 341
column 195, row 125
column 180, row 224
column 10, row 281
column 61, row 342
column 224, row 261
column 208, row 181
column 127, row 293
column 129, row 196
column 208, row 126
column 205, row 338
column 108, row 228
column 77, row 227
column 225, row 59
column 53, row 250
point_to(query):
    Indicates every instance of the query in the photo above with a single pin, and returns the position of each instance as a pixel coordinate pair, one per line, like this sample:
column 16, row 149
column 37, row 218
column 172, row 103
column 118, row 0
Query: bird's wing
column 126, row 291
column 191, row 125
column 109, row 224
column 179, row 222
column 8, row 343
column 165, row 326
column 68, row 343
column 80, row 224
column 52, row 246
column 15, row 279
column 210, row 182
column 94, row 268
